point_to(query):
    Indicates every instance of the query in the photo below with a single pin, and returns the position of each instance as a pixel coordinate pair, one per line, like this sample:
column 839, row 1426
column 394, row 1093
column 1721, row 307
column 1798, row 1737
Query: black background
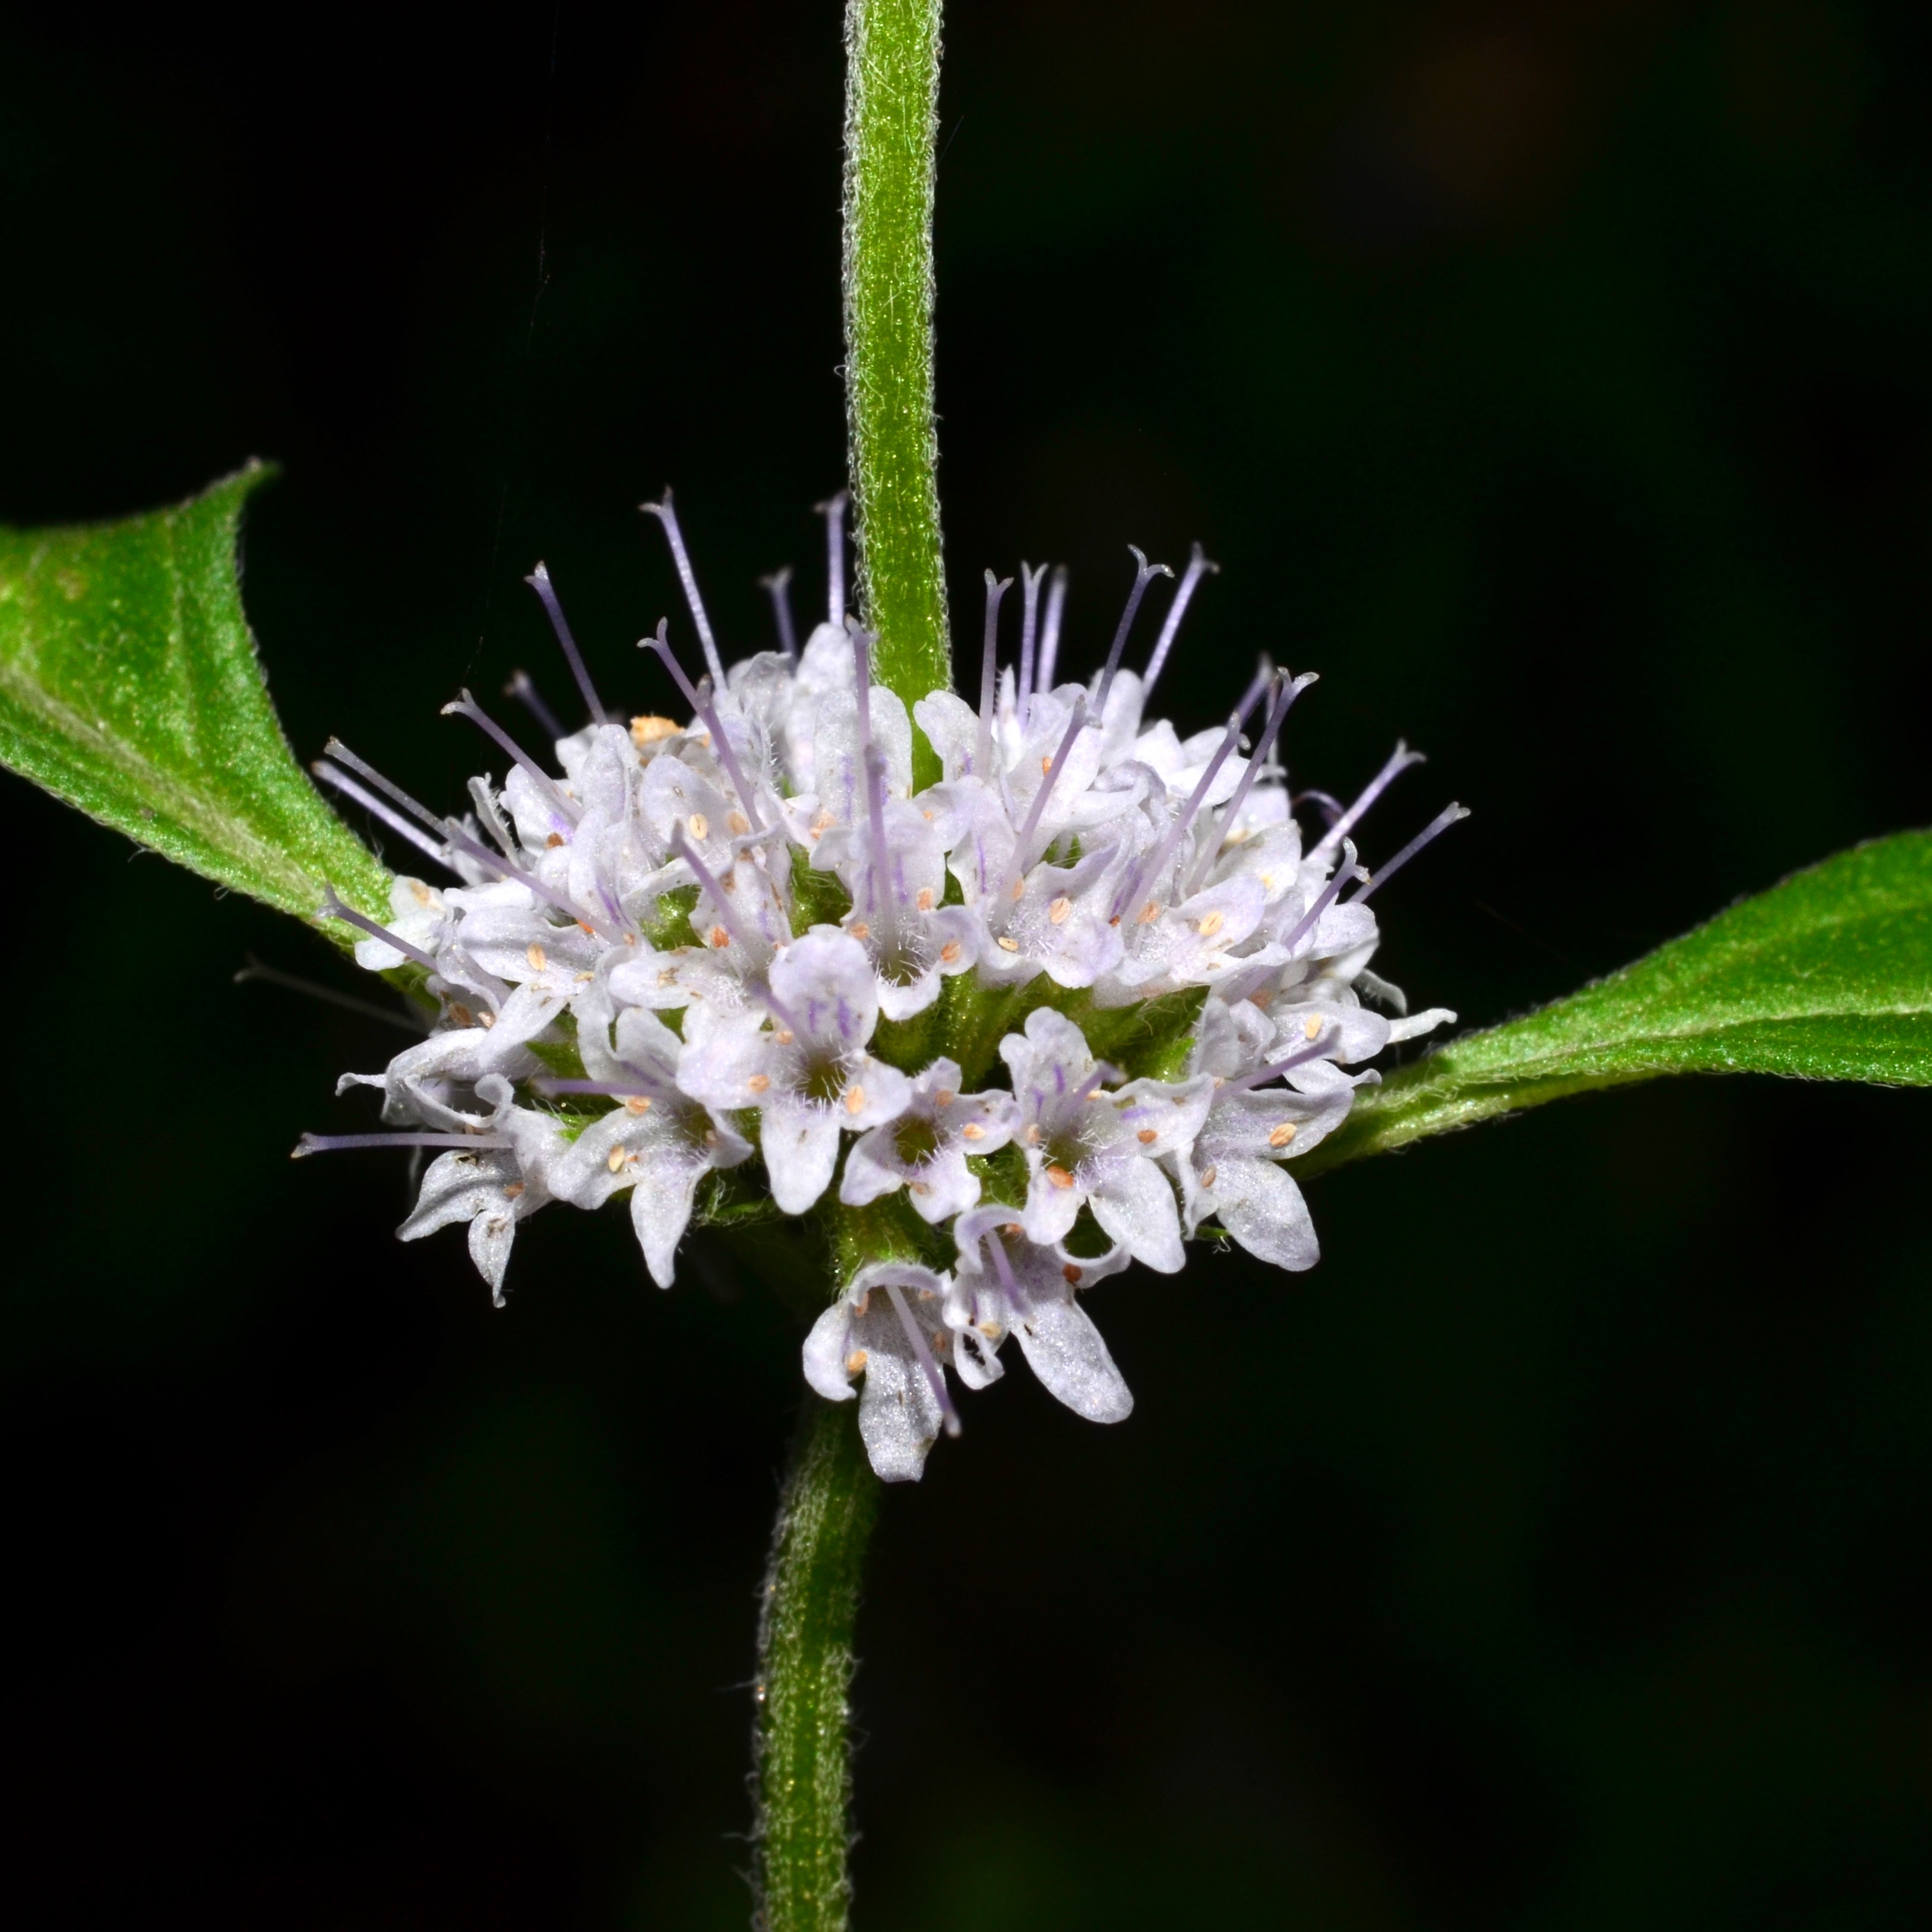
column 1554, row 379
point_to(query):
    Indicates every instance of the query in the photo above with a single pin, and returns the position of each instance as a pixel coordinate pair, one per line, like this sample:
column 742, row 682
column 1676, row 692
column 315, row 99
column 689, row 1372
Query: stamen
column 862, row 677
column 833, row 510
column 332, row 907
column 1400, row 761
column 1094, row 1082
column 1150, row 872
column 1030, row 584
column 1347, row 870
column 1287, row 690
column 1049, row 635
column 1145, row 573
column 727, row 916
column 1039, row 798
column 1198, row 565
column 336, row 749
column 701, row 700
column 504, row 868
column 466, row 706
column 935, row 1381
column 606, row 1089
column 520, row 688
column 1319, row 1049
column 538, row 580
column 1002, row 1266
column 883, row 908
column 779, row 585
column 270, row 975
column 311, row 1143
column 370, row 802
column 668, row 516
column 1434, row 829
column 989, row 671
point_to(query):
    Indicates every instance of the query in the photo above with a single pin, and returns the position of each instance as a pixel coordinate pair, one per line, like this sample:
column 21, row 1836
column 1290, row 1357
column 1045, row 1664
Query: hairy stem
column 892, row 108
column 805, row 1671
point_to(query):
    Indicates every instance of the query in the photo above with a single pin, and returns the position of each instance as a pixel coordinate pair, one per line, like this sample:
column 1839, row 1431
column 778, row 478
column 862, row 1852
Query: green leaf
column 129, row 686
column 1827, row 977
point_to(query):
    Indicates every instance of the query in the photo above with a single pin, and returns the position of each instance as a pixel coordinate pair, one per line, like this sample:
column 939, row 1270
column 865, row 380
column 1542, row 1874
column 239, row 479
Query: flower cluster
column 1024, row 990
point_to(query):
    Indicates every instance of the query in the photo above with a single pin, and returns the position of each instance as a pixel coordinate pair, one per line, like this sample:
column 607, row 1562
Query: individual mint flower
column 1087, row 1147
column 806, row 1069
column 656, row 1141
column 1007, row 1285
column 925, row 1150
column 888, row 1327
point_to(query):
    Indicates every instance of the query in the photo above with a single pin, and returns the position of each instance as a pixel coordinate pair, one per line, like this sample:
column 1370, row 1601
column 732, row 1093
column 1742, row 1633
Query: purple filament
column 311, row 1143
column 1039, row 798
column 270, row 975
column 504, row 868
column 332, row 907
column 882, row 908
column 1049, row 634
column 778, row 586
column 1434, row 829
column 701, row 700
column 935, row 1381
column 520, row 688
column 989, row 671
column 370, row 802
column 1198, row 565
column 1145, row 573
column 466, row 706
column 833, row 510
column 336, row 749
column 1325, row 899
column 728, row 917
column 1150, row 872
column 1030, row 582
column 1002, row 1266
column 1318, row 1048
column 1400, row 761
column 1287, row 691
column 666, row 515
column 538, row 580
column 604, row 1087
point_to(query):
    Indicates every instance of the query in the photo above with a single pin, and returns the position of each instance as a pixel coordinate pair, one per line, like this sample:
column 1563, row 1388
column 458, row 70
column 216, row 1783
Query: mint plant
column 988, row 994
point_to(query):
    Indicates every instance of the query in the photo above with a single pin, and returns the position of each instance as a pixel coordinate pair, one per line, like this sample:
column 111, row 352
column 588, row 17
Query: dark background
column 1559, row 1554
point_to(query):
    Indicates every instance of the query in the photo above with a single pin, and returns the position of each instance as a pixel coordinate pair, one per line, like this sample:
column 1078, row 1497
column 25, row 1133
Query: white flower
column 1007, row 1285
column 888, row 1326
column 805, row 1068
column 1087, row 1146
column 925, row 1148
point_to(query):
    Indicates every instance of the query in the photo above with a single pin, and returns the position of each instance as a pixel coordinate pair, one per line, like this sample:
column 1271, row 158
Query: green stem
column 804, row 1670
column 892, row 118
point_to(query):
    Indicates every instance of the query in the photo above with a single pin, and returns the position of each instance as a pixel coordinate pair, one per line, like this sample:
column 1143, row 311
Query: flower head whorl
column 1076, row 1002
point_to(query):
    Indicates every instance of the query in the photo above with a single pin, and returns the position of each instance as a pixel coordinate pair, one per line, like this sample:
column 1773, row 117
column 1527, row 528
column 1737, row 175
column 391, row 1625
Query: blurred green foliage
column 1557, row 1552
